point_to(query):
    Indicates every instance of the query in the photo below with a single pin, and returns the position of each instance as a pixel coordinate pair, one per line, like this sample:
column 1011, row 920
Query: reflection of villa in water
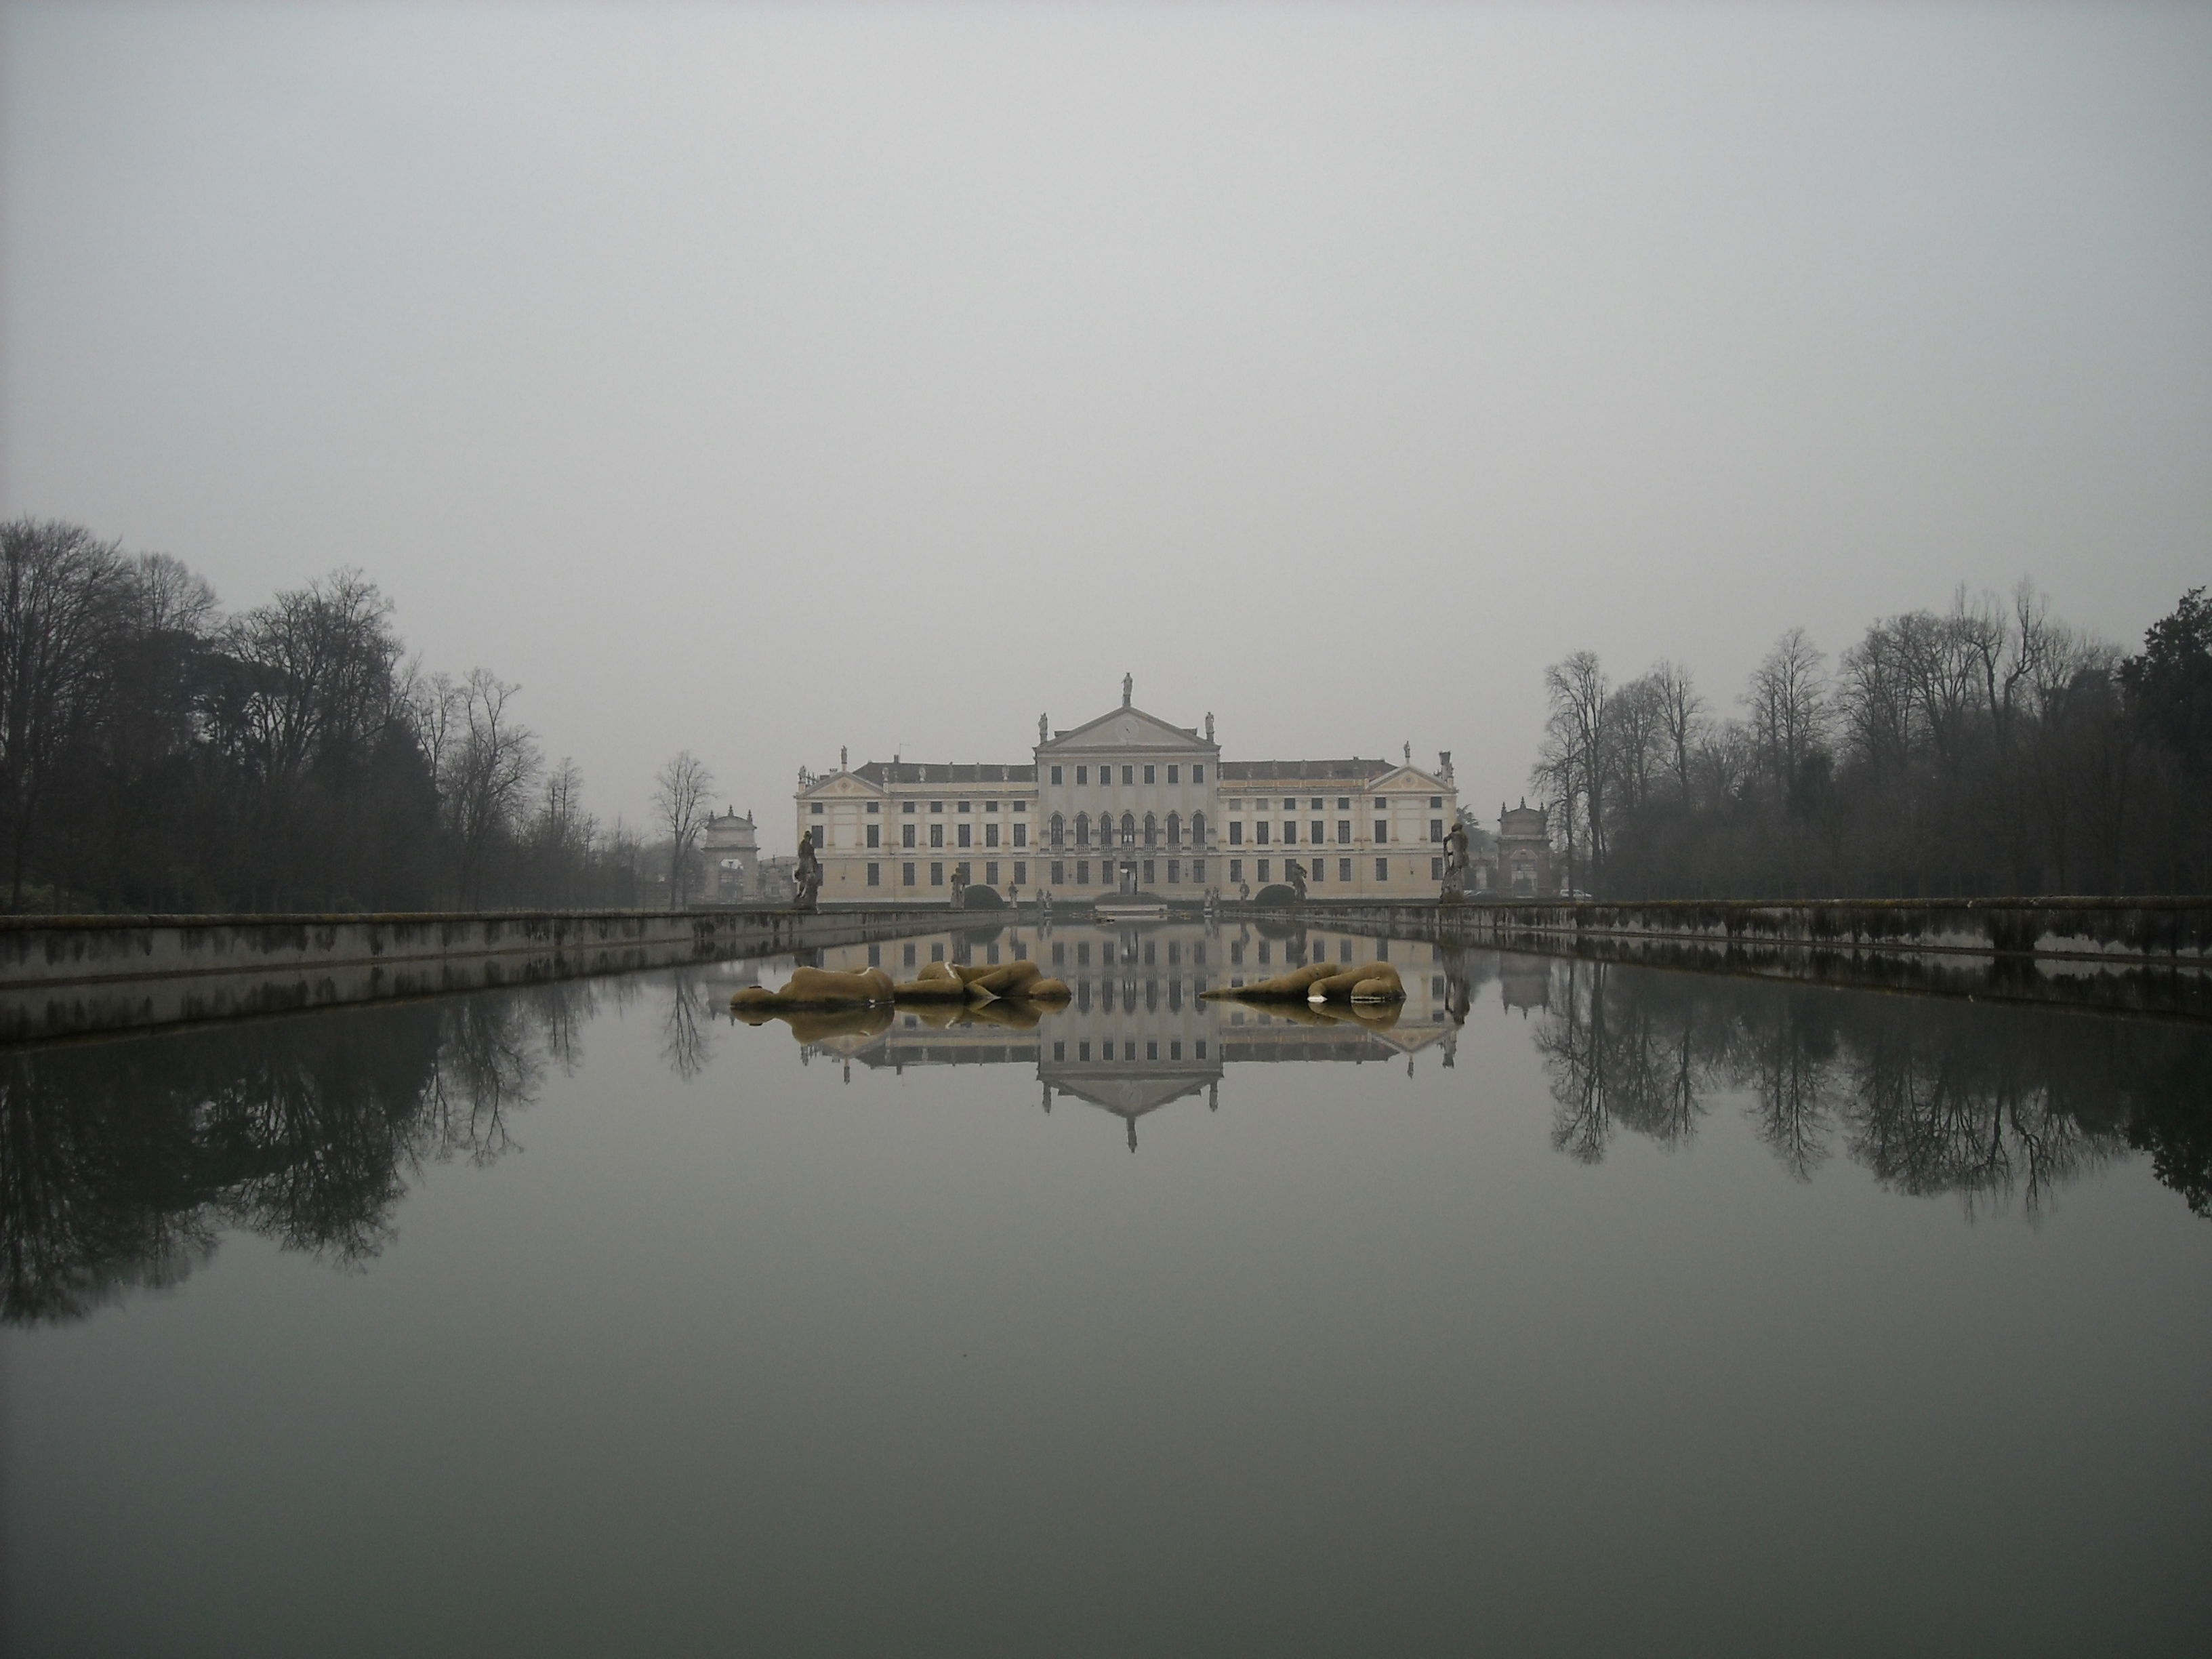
column 1136, row 1038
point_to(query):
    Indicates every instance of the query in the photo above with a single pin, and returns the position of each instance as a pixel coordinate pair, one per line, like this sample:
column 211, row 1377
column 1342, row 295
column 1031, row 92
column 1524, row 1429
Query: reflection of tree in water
column 121, row 1163
column 1931, row 1096
column 685, row 1046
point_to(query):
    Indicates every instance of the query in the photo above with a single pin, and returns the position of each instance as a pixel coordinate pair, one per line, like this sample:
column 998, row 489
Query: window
column 965, row 871
column 1382, row 830
column 817, row 808
column 1082, row 953
column 875, row 880
column 1175, row 869
column 875, row 835
column 1059, row 873
column 1260, row 831
column 1083, row 872
column 1343, row 803
column 1198, row 775
column 1436, row 869
column 907, row 807
column 1021, row 871
column 1317, row 832
column 1344, row 950
column 1151, row 830
column 1237, row 954
column 936, row 806
column 1316, row 803
column 990, row 834
column 874, row 807
column 991, row 877
column 937, row 835
column 1083, row 774
column 1082, row 1051
column 1436, row 828
column 967, row 805
column 1174, row 775
column 990, row 806
column 1152, row 1051
column 1344, row 874
column 1056, row 775
column 1083, row 828
column 1435, row 801
column 1236, row 869
column 1292, row 804
column 1175, row 830
column 1290, row 832
column 1381, row 869
column 1058, row 833
column 1235, row 832
column 1148, row 877
column 1320, row 869
column 1344, row 830
column 1266, row 952
column 1021, row 834
column 991, row 955
column 1175, row 1050
column 937, row 875
column 1148, row 776
column 906, row 834
column 1128, row 774
column 907, row 956
column 1198, row 870
column 906, row 876
column 1059, row 1051
column 1128, row 829
column 937, row 953
column 1263, row 880
column 1198, row 831
column 1105, row 873
column 1021, row 806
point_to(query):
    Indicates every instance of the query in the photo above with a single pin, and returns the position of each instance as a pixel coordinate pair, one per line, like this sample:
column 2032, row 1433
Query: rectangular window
column 1343, row 803
column 937, row 875
column 1082, row 1051
column 1436, row 828
column 1235, row 832
column 967, row 835
column 875, row 835
column 906, row 834
column 1059, row 873
column 1175, row 1050
column 990, row 834
column 1105, row 874
column 1082, row 953
column 817, row 808
column 965, row 871
column 937, row 953
column 1317, row 832
column 875, row 955
column 1320, row 869
column 1237, row 954
column 1021, row 834
column 1148, row 872
column 1290, row 832
column 1435, row 801
column 906, row 875
column 1381, row 869
column 1436, row 869
column 1175, row 869
column 991, row 874
column 1198, row 870
column 1267, row 953
column 1021, row 806
column 1059, row 954
column 1344, row 830
column 1263, row 872
column 937, row 835
column 1021, row 873
column 1148, row 776
column 1236, row 869
column 1260, row 831
column 1344, row 869
column 1382, row 830
column 967, row 805
column 936, row 806
column 874, row 807
column 1174, row 775
column 1083, row 774
column 1083, row 872
column 875, row 876
column 1056, row 775
column 1059, row 1051
column 907, row 956
column 1198, row 1049
column 1198, row 775
column 1128, row 774
column 1344, row 950
column 990, row 806
column 1152, row 1051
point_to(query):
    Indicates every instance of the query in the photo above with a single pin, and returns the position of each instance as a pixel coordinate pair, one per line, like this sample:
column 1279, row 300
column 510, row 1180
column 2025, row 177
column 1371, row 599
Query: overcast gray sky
column 761, row 379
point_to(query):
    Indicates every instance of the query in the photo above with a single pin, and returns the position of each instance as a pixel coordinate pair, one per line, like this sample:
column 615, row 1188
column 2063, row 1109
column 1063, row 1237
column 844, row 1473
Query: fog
column 763, row 381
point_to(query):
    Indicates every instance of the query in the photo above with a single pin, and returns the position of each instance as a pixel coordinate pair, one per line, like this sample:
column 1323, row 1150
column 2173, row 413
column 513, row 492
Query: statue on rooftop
column 806, row 873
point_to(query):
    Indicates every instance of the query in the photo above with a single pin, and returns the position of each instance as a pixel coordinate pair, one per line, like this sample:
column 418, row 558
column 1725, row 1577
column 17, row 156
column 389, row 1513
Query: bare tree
column 1573, row 757
column 490, row 761
column 680, row 793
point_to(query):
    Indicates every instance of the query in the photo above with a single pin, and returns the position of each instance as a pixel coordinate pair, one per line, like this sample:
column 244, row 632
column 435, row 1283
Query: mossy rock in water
column 1293, row 987
column 1052, row 991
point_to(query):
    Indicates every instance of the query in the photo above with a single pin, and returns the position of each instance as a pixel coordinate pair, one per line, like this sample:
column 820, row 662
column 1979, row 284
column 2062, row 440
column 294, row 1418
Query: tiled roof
column 883, row 772
column 1267, row 771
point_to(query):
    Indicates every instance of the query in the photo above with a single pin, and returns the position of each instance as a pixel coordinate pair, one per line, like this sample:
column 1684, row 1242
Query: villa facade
column 1127, row 803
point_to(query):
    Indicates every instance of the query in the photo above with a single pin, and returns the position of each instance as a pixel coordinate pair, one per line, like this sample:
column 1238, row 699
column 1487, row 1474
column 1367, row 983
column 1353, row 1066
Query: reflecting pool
column 1573, row 1308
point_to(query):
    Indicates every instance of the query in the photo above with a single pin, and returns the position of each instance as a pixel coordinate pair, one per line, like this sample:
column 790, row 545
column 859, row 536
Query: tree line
column 1988, row 749
column 159, row 754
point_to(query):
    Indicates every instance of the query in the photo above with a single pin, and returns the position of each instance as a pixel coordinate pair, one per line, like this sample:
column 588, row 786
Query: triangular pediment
column 1124, row 728
column 1409, row 777
column 1127, row 1096
column 841, row 786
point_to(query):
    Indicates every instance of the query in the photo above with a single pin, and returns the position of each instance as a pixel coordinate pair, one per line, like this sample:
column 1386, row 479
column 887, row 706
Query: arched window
column 1198, row 831
column 1128, row 829
column 1058, row 830
column 1175, row 830
column 1151, row 830
column 1083, row 828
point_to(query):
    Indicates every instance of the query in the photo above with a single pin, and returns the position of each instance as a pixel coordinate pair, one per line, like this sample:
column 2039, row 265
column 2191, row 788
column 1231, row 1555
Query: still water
column 1585, row 1310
